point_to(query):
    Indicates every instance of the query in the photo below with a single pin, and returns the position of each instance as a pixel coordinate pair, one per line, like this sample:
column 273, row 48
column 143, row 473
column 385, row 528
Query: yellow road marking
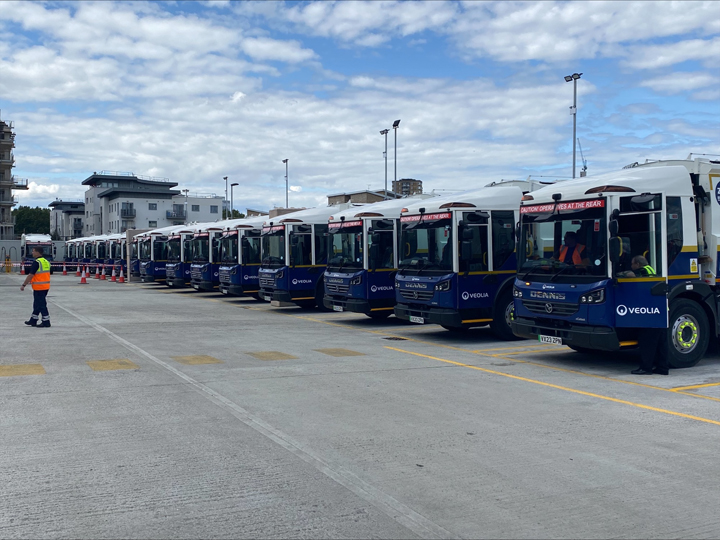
column 564, row 388
column 112, row 365
column 272, row 355
column 196, row 360
column 680, row 388
column 339, row 352
column 534, row 351
column 21, row 369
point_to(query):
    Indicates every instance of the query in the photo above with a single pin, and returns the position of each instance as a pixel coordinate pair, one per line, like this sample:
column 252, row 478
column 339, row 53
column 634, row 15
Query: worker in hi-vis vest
column 39, row 277
column 572, row 252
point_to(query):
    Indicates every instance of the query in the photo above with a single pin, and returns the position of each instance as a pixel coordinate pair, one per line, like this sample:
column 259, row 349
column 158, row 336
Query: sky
column 195, row 91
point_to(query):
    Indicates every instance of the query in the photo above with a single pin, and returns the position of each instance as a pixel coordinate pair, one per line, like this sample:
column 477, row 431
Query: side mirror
column 613, row 228
column 465, row 250
column 615, row 248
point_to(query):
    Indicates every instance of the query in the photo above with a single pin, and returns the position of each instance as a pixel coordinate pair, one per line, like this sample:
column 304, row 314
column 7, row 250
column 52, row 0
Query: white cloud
column 273, row 49
column 682, row 81
column 668, row 54
column 296, row 189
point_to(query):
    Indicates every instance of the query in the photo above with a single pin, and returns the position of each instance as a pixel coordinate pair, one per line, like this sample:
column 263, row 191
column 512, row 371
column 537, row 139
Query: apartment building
column 117, row 201
column 407, row 187
column 8, row 182
column 67, row 219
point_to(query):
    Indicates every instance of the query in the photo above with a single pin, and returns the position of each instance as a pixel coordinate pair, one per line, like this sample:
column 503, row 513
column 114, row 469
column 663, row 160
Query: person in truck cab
column 640, row 268
column 572, row 252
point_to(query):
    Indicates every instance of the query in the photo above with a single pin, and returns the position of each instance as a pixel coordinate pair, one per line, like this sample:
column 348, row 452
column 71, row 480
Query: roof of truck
column 493, row 197
column 311, row 215
column 383, row 209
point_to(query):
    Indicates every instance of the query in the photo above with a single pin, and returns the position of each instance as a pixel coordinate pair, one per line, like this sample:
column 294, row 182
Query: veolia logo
column 376, row 288
column 296, row 281
column 623, row 310
column 467, row 296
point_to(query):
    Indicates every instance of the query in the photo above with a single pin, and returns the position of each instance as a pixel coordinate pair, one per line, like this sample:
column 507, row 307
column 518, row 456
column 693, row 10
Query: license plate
column 224, row 291
column 550, row 339
column 418, row 320
column 268, row 298
column 337, row 308
column 196, row 286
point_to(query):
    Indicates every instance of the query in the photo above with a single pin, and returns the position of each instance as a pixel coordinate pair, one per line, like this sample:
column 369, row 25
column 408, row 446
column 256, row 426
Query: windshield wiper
column 556, row 274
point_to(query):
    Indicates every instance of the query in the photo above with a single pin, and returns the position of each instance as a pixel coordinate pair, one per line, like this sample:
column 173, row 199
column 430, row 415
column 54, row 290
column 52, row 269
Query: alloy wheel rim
column 685, row 334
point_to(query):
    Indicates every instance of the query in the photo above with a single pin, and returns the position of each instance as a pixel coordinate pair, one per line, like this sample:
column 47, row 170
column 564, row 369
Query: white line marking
column 393, row 508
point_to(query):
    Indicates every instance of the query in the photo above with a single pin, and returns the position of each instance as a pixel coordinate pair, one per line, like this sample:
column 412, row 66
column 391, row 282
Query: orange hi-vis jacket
column 41, row 279
column 576, row 257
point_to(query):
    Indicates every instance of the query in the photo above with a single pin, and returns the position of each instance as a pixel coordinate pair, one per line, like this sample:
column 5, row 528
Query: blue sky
column 194, row 91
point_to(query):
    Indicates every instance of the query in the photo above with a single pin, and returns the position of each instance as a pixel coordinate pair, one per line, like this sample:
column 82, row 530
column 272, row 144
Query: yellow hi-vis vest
column 41, row 279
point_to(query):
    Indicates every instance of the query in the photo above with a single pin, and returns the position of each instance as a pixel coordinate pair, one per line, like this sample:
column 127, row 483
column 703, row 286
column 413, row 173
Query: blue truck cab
column 457, row 259
column 363, row 250
column 86, row 255
column 113, row 253
column 603, row 259
column 153, row 252
column 294, row 256
column 205, row 257
column 177, row 268
column 240, row 257
column 28, row 241
column 135, row 255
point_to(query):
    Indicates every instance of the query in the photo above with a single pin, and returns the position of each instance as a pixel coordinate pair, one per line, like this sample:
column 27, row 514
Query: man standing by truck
column 39, row 277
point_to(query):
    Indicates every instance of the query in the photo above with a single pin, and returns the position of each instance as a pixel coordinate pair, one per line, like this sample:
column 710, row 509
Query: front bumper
column 442, row 316
column 358, row 305
column 201, row 285
column 602, row 338
column 175, row 282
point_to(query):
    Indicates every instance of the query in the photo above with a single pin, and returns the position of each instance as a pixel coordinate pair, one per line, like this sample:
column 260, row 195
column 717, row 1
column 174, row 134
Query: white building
column 67, row 219
column 8, row 182
column 116, row 201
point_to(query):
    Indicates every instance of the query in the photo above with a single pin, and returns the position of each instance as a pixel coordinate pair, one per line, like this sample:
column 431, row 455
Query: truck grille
column 550, row 308
column 412, row 294
column 337, row 288
column 267, row 282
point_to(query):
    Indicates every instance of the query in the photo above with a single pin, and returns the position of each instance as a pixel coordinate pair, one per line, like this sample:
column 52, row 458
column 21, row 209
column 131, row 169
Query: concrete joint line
column 393, row 508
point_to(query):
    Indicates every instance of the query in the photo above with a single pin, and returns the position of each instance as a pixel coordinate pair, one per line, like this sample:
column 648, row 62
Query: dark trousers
column 650, row 340
column 40, row 305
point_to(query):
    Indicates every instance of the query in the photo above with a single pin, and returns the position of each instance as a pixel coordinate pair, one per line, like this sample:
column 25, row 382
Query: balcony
column 127, row 213
column 7, row 201
column 7, row 139
column 14, row 182
column 175, row 214
column 7, row 158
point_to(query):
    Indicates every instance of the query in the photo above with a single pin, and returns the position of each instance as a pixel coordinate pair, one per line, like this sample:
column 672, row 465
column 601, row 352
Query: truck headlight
column 280, row 274
column 443, row 285
column 517, row 293
column 357, row 280
column 594, row 297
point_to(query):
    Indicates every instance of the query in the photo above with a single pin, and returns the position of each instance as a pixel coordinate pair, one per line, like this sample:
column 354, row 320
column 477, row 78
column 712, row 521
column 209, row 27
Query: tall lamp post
column 232, row 204
column 396, row 124
column 574, row 78
column 285, row 161
column 385, row 132
column 226, row 199
column 185, row 191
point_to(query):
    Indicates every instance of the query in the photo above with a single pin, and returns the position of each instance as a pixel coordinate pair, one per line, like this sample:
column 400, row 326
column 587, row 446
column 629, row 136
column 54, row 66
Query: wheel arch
column 703, row 295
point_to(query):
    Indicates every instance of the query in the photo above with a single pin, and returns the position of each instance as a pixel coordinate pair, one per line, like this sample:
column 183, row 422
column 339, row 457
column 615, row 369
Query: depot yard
column 146, row 412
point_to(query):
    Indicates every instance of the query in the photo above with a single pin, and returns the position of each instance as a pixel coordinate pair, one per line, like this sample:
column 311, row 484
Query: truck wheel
column 688, row 334
column 503, row 315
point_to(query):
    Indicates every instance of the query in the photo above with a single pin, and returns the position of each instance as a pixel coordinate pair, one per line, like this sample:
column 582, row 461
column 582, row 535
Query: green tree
column 31, row 220
column 235, row 214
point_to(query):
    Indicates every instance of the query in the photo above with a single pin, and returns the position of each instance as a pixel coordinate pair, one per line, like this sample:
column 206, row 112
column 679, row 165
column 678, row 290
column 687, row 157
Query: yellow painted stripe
column 381, row 309
column 21, row 369
column 493, row 272
column 685, row 276
column 196, row 360
column 383, row 270
column 304, row 298
column 564, row 388
column 271, row 355
column 475, row 320
column 680, row 388
column 688, row 249
column 252, row 291
column 112, row 365
column 338, row 353
column 628, row 343
column 639, row 279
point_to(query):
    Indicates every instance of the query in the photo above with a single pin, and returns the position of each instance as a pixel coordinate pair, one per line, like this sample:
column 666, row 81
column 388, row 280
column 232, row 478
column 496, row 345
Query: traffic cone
column 83, row 280
column 97, row 271
column 22, row 268
column 122, row 276
column 112, row 278
column 64, row 270
column 102, row 276
column 78, row 270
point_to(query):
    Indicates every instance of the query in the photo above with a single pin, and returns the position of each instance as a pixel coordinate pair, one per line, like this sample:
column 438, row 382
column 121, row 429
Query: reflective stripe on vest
column 41, row 279
column 576, row 257
column 650, row 271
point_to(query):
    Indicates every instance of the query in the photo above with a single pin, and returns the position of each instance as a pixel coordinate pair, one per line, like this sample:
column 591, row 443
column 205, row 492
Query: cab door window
column 640, row 233
column 503, row 237
column 474, row 245
column 674, row 229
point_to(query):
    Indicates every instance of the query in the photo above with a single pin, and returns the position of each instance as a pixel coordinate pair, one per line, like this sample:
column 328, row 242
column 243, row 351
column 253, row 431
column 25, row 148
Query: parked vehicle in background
column 240, row 257
column 29, row 241
column 177, row 268
column 457, row 259
column 668, row 213
column 362, row 263
column 152, row 248
column 205, row 257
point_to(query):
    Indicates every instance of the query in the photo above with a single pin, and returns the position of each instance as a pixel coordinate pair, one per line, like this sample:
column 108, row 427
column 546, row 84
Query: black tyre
column 688, row 334
column 503, row 315
column 380, row 314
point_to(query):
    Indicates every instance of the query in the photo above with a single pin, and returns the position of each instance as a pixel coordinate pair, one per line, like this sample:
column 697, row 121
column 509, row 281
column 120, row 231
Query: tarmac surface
column 146, row 412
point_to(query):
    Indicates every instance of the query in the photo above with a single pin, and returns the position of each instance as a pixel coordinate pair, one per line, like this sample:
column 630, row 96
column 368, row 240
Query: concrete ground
column 151, row 413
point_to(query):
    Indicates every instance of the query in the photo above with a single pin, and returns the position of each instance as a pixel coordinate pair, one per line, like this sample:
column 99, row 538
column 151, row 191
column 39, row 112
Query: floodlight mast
column 574, row 78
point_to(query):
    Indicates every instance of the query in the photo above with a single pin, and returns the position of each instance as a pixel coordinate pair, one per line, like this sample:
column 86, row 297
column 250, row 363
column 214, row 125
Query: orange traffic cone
column 122, row 276
column 102, row 276
column 97, row 271
column 112, row 278
column 83, row 280
column 22, row 268
column 78, row 270
column 64, row 270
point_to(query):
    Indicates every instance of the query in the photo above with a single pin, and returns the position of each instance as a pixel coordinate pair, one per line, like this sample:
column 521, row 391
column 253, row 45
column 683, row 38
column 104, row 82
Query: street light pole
column 232, row 204
column 574, row 78
column 285, row 161
column 225, row 202
column 396, row 123
column 185, row 191
column 385, row 132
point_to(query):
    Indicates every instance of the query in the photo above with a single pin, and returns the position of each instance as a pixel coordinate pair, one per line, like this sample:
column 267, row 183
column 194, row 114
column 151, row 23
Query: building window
column 213, row 209
column 152, row 223
column 195, row 208
column 152, row 206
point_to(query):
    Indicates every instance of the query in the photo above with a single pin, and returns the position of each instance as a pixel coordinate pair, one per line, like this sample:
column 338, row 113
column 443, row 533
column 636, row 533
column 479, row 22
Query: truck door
column 638, row 255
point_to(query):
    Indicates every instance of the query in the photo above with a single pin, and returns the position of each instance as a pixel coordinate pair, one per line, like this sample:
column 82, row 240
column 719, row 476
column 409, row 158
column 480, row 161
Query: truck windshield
column 134, row 251
column 426, row 246
column 200, row 249
column 173, row 250
column 101, row 251
column 273, row 248
column 251, row 251
column 144, row 249
column 160, row 250
column 345, row 248
column 229, row 249
column 563, row 239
